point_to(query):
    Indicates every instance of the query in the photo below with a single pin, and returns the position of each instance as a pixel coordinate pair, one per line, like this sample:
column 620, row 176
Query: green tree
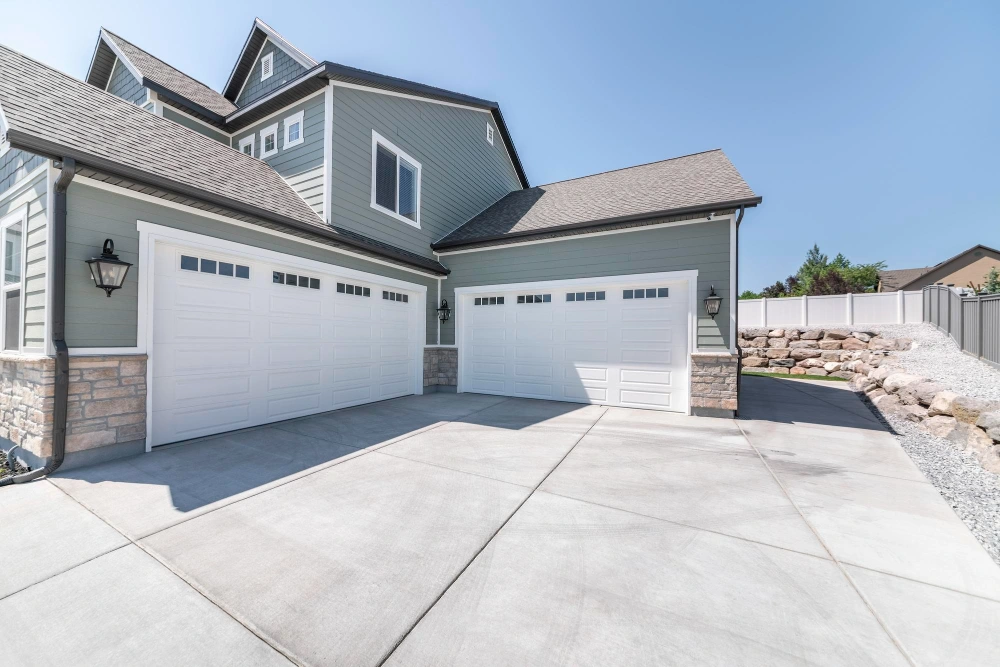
column 749, row 294
column 992, row 285
column 819, row 275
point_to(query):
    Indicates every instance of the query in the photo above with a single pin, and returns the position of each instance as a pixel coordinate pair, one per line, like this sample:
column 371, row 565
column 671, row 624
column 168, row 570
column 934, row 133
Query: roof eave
column 160, row 89
column 750, row 202
column 55, row 151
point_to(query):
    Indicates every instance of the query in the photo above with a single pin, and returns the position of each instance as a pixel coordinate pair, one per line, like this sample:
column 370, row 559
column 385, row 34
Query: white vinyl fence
column 835, row 310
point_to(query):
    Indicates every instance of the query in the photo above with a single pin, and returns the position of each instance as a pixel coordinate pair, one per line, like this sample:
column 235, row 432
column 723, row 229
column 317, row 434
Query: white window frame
column 269, row 59
column 248, row 141
column 291, row 120
column 4, row 144
column 19, row 216
column 269, row 130
column 379, row 139
column 489, row 134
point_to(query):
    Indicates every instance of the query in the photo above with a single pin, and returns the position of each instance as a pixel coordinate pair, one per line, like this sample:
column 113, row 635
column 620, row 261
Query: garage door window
column 648, row 293
column 395, row 296
column 356, row 290
column 203, row 265
column 534, row 298
column 585, row 296
column 294, row 280
column 489, row 301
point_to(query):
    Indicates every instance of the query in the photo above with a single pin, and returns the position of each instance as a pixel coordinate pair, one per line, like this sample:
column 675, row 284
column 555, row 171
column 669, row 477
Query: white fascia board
column 625, row 279
column 101, row 185
column 121, row 56
column 247, row 79
column 298, row 56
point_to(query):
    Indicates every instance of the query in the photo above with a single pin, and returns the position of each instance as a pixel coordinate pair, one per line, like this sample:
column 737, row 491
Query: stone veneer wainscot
column 714, row 386
column 440, row 369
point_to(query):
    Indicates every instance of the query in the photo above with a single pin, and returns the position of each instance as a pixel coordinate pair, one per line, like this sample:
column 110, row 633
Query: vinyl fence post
column 805, row 310
column 763, row 311
column 850, row 309
column 979, row 334
column 900, row 314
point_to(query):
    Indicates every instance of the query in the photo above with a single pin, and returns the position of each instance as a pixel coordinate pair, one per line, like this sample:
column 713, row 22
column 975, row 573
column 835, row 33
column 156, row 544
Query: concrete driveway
column 468, row 529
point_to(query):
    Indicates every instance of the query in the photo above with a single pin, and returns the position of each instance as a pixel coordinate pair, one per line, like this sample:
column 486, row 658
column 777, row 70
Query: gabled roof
column 155, row 74
column 259, row 33
column 897, row 279
column 688, row 185
column 52, row 114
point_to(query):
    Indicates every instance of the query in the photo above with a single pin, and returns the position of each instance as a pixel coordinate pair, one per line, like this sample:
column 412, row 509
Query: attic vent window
column 267, row 66
column 489, row 133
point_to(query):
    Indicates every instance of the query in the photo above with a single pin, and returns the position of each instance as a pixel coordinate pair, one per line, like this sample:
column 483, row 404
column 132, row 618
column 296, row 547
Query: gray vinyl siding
column 462, row 174
column 192, row 124
column 126, row 86
column 15, row 165
column 301, row 165
column 92, row 320
column 701, row 246
column 286, row 68
column 33, row 302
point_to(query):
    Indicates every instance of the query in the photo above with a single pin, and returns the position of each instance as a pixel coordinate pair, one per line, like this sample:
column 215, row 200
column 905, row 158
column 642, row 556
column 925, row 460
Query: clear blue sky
column 871, row 128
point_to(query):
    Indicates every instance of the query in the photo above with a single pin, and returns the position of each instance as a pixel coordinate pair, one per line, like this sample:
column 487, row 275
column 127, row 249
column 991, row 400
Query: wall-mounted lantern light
column 444, row 312
column 712, row 303
column 108, row 271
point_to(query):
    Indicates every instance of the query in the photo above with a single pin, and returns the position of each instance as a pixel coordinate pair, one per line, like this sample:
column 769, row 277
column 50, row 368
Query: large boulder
column 754, row 352
column 881, row 373
column 777, row 353
column 897, row 381
column 885, row 402
column 975, row 441
column 882, row 344
column 852, row 344
column 913, row 413
column 920, row 392
column 832, row 366
column 804, row 344
column 754, row 362
column 792, row 334
column 903, row 343
column 815, row 334
column 758, row 341
column 966, row 409
column 830, row 355
column 990, row 422
column 861, row 335
column 803, row 353
column 847, row 375
column 754, row 333
column 940, row 426
column 811, row 363
column 837, row 334
column 797, row 370
column 776, row 333
column 781, row 363
column 829, row 345
column 942, row 402
column 777, row 342
column 875, row 391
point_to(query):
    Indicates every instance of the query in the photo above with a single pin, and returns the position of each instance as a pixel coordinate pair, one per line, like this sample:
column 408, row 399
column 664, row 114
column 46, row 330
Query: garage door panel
column 534, row 389
column 231, row 353
column 536, row 314
column 645, row 399
column 533, row 370
column 585, row 394
column 532, row 334
column 586, row 335
column 523, row 353
column 645, row 376
column 574, row 354
column 586, row 373
column 582, row 313
column 646, row 356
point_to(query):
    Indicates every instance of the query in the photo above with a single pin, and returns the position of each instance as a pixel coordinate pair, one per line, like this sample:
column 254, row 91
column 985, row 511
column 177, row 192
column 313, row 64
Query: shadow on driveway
column 795, row 402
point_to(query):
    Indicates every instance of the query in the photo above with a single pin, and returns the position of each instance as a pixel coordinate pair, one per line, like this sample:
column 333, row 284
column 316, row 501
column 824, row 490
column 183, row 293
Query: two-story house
column 316, row 236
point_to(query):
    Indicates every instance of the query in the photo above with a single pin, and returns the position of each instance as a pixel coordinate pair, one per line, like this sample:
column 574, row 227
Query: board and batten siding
column 126, row 86
column 191, row 124
column 462, row 173
column 34, row 198
column 302, row 165
column 286, row 68
column 92, row 320
column 703, row 246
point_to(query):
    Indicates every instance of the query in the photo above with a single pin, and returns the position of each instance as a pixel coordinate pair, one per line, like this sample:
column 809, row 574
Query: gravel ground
column 4, row 470
column 937, row 357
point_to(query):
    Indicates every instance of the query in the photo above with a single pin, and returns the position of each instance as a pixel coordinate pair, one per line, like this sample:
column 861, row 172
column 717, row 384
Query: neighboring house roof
column 259, row 33
column 894, row 279
column 52, row 114
column 158, row 75
column 686, row 185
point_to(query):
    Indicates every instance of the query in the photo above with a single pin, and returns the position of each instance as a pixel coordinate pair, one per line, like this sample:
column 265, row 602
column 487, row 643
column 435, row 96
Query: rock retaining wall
column 838, row 352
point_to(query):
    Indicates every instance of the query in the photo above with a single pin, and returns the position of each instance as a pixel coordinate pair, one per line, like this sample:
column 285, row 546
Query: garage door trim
column 689, row 276
column 151, row 233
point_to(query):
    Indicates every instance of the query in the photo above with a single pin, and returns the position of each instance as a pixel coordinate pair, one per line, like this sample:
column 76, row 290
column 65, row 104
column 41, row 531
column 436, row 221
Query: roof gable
column 249, row 57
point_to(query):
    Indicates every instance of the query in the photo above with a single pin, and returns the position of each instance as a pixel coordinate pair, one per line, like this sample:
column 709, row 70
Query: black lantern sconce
column 444, row 312
column 712, row 303
column 108, row 271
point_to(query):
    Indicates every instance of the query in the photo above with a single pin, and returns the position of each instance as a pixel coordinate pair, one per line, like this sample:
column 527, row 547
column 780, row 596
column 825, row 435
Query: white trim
column 107, row 86
column 437, row 305
column 101, row 185
column 248, row 140
column 246, row 79
column 690, row 276
column 4, row 146
column 51, row 175
column 297, row 55
column 328, row 154
column 733, row 296
column 264, row 132
column 18, row 215
column 96, row 351
column 624, row 230
column 489, row 133
column 26, row 182
column 157, row 104
column 3, row 130
column 273, row 114
column 400, row 155
column 440, row 347
column 298, row 117
column 267, row 72
column 122, row 57
column 151, row 233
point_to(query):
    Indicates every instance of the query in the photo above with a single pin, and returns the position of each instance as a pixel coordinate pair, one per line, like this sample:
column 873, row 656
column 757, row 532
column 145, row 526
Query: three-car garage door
column 240, row 341
column 614, row 343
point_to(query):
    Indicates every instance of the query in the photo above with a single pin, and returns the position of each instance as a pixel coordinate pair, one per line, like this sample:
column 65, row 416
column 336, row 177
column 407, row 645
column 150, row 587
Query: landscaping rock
column 940, row 426
column 828, row 355
column 791, row 334
column 942, row 403
column 799, row 354
column 781, row 363
column 852, row 344
column 832, row 366
column 829, row 345
column 797, row 370
column 897, row 381
column 815, row 334
column 913, row 413
column 755, row 332
column 881, row 373
column 966, row 409
column 754, row 362
column 777, row 342
column 882, row 344
column 976, row 442
column 777, row 353
column 804, row 344
column 847, row 375
column 758, row 341
column 776, row 333
column 837, row 334
column 903, row 343
column 861, row 335
column 885, row 402
column 812, row 363
column 990, row 422
column 876, row 393
column 778, row 371
column 925, row 391
column 819, row 372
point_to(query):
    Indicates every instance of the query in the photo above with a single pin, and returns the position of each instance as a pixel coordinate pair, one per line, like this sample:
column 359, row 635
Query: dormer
column 267, row 62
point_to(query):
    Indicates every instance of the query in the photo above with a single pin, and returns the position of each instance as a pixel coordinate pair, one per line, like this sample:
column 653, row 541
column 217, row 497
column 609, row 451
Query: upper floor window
column 293, row 130
column 246, row 145
column 489, row 133
column 11, row 233
column 395, row 181
column 269, row 141
column 267, row 66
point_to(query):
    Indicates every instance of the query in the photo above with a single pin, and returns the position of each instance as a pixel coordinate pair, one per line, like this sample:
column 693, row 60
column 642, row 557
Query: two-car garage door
column 240, row 341
column 615, row 343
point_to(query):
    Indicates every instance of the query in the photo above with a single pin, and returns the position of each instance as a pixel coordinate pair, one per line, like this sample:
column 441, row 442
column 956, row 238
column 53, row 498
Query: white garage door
column 239, row 341
column 614, row 344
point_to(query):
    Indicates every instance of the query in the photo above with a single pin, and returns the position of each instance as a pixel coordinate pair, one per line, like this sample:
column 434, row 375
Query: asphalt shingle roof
column 893, row 279
column 157, row 71
column 660, row 188
column 46, row 108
